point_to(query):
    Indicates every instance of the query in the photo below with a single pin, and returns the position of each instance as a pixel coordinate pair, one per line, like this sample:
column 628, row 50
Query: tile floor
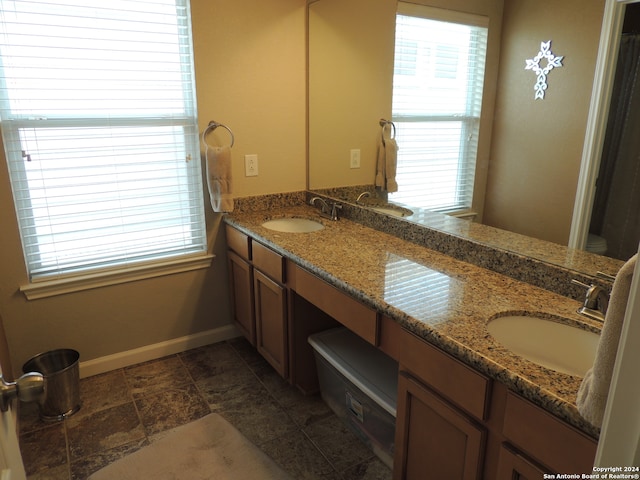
column 124, row 409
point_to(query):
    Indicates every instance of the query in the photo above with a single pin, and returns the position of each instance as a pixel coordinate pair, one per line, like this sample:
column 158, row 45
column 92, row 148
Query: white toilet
column 596, row 244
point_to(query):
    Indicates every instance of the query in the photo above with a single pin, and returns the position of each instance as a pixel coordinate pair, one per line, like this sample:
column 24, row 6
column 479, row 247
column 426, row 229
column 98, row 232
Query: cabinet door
column 433, row 438
column 271, row 321
column 241, row 286
column 513, row 466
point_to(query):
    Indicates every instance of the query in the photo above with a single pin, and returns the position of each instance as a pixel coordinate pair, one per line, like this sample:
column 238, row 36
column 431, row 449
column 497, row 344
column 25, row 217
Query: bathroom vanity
column 468, row 408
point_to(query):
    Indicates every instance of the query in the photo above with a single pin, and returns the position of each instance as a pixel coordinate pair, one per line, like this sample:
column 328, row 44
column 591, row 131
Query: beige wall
column 537, row 144
column 250, row 75
column 350, row 84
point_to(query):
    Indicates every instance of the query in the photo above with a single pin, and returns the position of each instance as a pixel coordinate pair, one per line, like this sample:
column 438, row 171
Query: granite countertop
column 445, row 301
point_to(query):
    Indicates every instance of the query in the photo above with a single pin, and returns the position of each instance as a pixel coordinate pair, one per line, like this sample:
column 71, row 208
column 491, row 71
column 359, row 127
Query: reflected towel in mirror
column 386, row 163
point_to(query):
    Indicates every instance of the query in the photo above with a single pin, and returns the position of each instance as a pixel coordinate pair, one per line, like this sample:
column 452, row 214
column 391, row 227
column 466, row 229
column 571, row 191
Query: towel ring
column 384, row 123
column 211, row 127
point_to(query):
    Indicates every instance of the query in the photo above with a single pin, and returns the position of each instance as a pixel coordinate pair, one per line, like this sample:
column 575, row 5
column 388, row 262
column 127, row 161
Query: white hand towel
column 381, row 164
column 594, row 390
column 391, row 157
column 387, row 161
column 219, row 182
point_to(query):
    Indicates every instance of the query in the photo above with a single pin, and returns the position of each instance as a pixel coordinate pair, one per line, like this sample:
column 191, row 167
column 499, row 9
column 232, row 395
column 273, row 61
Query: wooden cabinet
column 259, row 297
column 545, row 438
column 452, row 379
column 357, row 317
column 512, row 465
column 241, row 291
column 433, row 438
column 270, row 306
column 453, row 422
column 271, row 321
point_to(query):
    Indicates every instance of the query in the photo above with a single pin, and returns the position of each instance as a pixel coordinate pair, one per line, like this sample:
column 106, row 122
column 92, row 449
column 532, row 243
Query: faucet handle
column 334, row 210
column 592, row 293
column 582, row 284
column 596, row 301
column 605, row 276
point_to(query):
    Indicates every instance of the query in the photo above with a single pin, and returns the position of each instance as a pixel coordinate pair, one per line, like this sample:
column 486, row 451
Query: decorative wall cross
column 542, row 71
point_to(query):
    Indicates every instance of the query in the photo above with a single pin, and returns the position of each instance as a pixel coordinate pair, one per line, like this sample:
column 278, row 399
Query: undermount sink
column 293, row 225
column 397, row 212
column 558, row 346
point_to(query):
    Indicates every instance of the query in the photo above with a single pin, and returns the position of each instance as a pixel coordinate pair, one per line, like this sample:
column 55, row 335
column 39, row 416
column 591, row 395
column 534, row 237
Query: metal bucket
column 61, row 374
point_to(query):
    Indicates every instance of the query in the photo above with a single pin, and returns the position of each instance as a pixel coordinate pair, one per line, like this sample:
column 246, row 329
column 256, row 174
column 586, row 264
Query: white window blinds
column 437, row 98
column 99, row 123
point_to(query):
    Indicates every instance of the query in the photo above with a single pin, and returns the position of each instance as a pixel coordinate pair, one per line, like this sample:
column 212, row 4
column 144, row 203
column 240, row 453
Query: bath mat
column 209, row 448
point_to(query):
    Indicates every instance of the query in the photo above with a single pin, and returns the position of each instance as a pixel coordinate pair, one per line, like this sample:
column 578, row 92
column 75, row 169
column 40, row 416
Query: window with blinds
column 437, row 98
column 99, row 124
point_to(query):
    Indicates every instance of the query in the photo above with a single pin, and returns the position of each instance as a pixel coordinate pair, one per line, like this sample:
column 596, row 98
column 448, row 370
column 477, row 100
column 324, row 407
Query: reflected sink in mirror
column 293, row 225
column 558, row 346
column 395, row 211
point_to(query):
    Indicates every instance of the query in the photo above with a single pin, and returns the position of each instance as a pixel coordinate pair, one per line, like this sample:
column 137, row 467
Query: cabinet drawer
column 512, row 464
column 546, row 438
column 451, row 378
column 357, row 317
column 238, row 242
column 268, row 262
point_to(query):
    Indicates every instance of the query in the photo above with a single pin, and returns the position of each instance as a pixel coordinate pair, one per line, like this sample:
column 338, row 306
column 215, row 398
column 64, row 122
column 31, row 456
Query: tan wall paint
column 250, row 75
column 537, row 144
column 350, row 84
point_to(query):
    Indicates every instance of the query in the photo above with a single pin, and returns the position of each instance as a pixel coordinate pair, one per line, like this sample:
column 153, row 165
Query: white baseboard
column 157, row 350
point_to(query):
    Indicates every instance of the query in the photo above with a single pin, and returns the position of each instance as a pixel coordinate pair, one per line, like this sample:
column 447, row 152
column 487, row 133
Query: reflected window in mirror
column 437, row 96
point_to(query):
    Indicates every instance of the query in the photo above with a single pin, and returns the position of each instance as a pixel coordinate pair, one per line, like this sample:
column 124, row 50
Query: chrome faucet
column 362, row 195
column 596, row 301
column 327, row 211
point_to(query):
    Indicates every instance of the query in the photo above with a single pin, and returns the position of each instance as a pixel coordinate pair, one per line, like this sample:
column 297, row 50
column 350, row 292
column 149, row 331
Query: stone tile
column 103, row 430
column 156, row 376
column 248, row 407
column 81, row 469
column 106, row 390
column 297, row 455
column 247, row 352
column 307, row 409
column 342, row 447
column 29, row 417
column 372, row 469
column 233, row 380
column 44, row 449
column 260, row 423
column 171, row 408
column 275, row 384
column 217, row 386
column 211, row 360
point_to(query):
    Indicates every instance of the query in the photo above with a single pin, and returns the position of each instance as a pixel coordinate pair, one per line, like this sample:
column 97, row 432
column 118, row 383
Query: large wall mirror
column 530, row 156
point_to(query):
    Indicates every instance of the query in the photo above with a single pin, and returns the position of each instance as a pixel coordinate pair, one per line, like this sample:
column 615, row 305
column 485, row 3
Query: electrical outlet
column 355, row 158
column 251, row 165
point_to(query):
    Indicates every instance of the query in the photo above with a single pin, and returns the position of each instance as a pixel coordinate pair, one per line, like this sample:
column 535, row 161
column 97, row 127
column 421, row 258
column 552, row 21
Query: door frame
column 603, row 80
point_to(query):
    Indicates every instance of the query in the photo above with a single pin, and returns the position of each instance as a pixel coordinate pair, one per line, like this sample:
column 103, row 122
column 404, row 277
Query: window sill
column 62, row 286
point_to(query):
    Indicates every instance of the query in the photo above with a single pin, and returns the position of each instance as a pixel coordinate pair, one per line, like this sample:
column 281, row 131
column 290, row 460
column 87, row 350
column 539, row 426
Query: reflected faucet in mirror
column 540, row 208
column 361, row 196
